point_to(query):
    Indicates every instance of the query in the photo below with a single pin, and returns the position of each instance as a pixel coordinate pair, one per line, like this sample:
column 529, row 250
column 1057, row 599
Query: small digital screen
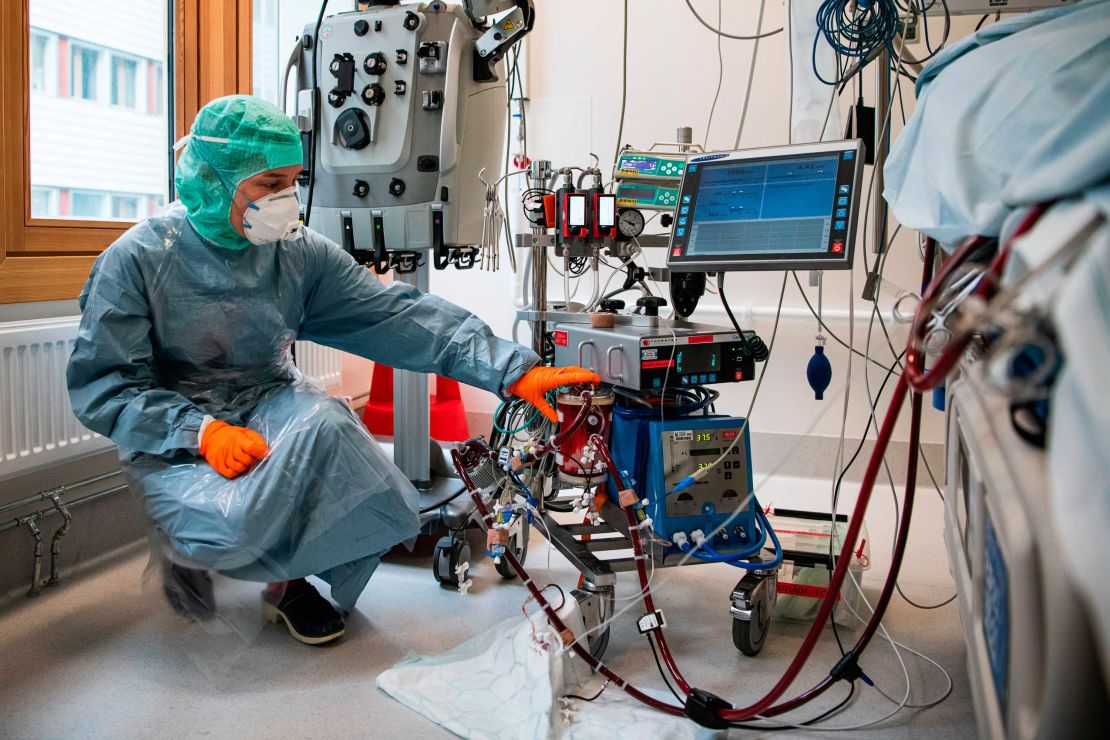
column 576, row 210
column 637, row 193
column 638, row 164
column 706, row 452
column 606, row 211
column 697, row 359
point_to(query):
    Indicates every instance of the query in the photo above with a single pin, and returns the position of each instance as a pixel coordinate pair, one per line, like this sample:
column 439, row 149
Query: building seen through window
column 98, row 115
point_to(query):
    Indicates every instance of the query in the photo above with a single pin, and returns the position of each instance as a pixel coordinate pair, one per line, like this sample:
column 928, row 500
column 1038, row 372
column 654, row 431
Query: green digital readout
column 697, row 359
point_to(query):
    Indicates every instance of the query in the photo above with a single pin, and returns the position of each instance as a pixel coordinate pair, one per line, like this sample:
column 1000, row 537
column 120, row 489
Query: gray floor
column 100, row 657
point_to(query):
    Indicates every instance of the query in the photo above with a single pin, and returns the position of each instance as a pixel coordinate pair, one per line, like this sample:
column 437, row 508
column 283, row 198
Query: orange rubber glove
column 534, row 385
column 231, row 450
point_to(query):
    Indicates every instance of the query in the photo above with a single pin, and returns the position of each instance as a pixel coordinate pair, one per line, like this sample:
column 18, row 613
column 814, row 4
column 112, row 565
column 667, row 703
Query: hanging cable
column 736, row 36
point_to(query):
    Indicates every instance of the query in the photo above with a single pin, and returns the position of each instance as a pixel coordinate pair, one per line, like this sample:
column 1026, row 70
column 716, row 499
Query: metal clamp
column 609, row 361
column 582, row 346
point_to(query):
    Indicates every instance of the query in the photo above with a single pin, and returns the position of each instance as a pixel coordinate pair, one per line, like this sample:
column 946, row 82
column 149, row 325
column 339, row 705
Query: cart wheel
column 749, row 635
column 449, row 553
column 518, row 546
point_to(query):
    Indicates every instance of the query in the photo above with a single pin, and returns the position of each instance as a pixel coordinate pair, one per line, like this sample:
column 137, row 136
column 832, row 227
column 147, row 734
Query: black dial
column 373, row 94
column 337, row 63
column 397, row 187
column 362, row 27
column 630, row 223
column 362, row 189
column 375, row 64
column 337, row 97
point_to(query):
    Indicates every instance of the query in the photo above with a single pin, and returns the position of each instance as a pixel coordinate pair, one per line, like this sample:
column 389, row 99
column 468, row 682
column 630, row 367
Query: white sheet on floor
column 499, row 685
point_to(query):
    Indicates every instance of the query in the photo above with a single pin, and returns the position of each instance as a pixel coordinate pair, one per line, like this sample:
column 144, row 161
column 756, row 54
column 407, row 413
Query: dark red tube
column 641, row 569
column 579, row 649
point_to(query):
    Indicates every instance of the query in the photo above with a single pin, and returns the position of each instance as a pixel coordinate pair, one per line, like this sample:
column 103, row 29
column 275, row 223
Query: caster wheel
column 749, row 635
column 449, row 553
column 518, row 546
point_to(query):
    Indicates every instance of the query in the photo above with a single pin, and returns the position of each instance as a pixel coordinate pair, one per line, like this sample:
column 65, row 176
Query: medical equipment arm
column 505, row 32
column 111, row 378
column 350, row 309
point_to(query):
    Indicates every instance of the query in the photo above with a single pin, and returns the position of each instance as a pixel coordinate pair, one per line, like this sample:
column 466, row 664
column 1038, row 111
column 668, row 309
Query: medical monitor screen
column 779, row 208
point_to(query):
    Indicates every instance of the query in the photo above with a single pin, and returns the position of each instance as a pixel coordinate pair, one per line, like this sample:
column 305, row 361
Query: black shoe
column 310, row 617
column 189, row 592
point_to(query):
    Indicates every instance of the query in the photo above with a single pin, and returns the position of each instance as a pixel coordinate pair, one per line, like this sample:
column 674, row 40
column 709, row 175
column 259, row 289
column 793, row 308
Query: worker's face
column 258, row 187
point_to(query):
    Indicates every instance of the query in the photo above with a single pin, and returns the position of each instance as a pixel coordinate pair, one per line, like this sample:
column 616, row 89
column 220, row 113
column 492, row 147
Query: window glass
column 124, row 81
column 125, row 207
column 84, row 70
column 99, row 128
column 156, row 92
column 44, row 202
column 43, row 64
column 276, row 27
column 87, row 204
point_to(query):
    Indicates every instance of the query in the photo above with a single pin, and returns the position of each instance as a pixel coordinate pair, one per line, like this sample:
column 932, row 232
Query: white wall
column 574, row 78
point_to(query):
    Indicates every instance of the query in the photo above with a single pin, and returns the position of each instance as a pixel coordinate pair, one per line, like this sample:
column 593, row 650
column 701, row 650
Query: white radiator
column 37, row 426
column 322, row 364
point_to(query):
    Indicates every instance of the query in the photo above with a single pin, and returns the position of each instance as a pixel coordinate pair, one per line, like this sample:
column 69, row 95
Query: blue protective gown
column 1016, row 114
column 174, row 328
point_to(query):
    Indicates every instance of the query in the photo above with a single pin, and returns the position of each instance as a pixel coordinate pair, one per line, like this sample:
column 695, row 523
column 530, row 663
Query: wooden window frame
column 49, row 259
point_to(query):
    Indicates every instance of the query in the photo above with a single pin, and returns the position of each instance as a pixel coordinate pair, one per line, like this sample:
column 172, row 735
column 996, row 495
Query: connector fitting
column 685, row 483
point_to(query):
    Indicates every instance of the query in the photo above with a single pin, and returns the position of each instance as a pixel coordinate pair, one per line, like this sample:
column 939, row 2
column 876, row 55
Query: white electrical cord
column 736, row 36
column 751, row 75
column 720, row 76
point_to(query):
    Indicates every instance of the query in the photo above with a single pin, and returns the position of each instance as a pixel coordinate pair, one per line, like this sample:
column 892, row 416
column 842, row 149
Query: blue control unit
column 654, row 455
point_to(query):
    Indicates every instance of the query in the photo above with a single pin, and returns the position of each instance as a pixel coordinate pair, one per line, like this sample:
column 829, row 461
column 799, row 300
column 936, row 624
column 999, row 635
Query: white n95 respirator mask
column 273, row 218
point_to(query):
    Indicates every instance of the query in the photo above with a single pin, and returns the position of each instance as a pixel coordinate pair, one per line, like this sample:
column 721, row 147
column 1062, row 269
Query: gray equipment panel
column 429, row 126
column 684, row 452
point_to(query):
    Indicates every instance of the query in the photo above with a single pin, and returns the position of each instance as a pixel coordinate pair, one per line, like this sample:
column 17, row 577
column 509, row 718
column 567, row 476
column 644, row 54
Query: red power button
column 838, row 247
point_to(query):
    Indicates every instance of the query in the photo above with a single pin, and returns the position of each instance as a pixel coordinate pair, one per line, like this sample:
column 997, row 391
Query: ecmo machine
column 401, row 107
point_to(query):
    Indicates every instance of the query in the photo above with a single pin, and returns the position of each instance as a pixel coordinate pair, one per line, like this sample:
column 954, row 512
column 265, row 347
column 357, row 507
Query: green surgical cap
column 232, row 138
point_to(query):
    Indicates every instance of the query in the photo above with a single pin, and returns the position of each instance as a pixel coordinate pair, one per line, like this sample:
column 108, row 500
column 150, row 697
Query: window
column 87, row 204
column 156, row 89
column 125, row 82
column 121, row 145
column 125, row 207
column 84, row 68
column 55, row 146
column 276, row 29
column 44, row 202
column 44, row 63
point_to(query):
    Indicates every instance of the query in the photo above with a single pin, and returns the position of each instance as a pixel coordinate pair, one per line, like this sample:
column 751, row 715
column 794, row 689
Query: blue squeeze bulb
column 819, row 372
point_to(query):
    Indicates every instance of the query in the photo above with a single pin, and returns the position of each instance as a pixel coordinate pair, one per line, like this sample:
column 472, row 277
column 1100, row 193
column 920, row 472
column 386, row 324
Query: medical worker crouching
column 183, row 359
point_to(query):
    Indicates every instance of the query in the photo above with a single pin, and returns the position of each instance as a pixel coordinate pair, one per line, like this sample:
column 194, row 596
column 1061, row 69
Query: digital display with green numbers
column 648, row 197
column 703, row 437
column 649, row 166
